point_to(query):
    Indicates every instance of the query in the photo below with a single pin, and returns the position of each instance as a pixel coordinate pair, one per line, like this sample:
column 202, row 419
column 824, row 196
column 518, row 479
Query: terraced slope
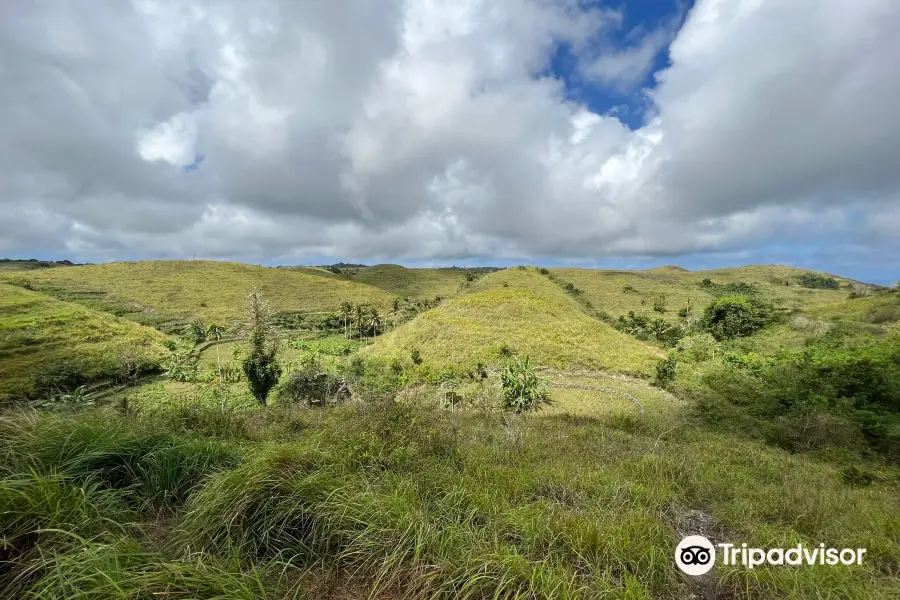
column 415, row 283
column 184, row 289
column 524, row 311
column 36, row 330
column 618, row 292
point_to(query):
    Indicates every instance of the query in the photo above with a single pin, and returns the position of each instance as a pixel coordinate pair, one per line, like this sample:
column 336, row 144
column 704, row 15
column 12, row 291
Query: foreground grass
column 417, row 503
column 184, row 289
column 36, row 330
column 526, row 313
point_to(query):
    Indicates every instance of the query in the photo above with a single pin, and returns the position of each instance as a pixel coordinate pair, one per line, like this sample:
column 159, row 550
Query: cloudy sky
column 621, row 133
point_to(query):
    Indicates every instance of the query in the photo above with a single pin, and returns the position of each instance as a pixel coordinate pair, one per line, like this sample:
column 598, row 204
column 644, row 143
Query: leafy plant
column 260, row 367
column 198, row 330
column 734, row 316
column 665, row 371
column 182, row 364
column 523, row 390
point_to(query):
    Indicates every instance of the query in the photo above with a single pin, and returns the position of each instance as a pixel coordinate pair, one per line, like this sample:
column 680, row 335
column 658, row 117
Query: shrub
column 58, row 377
column 312, row 385
column 198, row 330
column 260, row 367
column 182, row 364
column 698, row 348
column 659, row 303
column 734, row 316
column 416, row 356
column 543, row 271
column 818, row 281
column 523, row 389
column 628, row 288
column 665, row 371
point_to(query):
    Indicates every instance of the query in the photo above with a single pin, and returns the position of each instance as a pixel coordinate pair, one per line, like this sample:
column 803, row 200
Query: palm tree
column 395, row 312
column 214, row 332
column 374, row 321
column 346, row 313
column 360, row 319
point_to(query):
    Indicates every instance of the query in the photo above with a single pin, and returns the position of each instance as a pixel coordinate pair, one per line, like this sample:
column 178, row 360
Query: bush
column 312, row 385
column 523, row 390
column 198, row 330
column 831, row 393
column 659, row 304
column 818, row 281
column 182, row 364
column 543, row 271
column 59, row 377
column 416, row 356
column 262, row 373
column 698, row 348
column 734, row 316
column 665, row 371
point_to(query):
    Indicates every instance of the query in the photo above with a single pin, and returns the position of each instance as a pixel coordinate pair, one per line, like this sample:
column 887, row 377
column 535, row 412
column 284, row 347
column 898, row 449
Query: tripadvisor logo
column 696, row 555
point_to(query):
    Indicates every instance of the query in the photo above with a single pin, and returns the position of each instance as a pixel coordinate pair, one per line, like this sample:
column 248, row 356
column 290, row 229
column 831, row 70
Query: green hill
column 153, row 291
column 413, row 283
column 37, row 331
column 525, row 312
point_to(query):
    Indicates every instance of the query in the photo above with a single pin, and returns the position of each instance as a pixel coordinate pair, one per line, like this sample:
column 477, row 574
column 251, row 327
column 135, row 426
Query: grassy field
column 216, row 291
column 423, row 482
column 36, row 331
column 407, row 502
column 526, row 313
column 413, row 283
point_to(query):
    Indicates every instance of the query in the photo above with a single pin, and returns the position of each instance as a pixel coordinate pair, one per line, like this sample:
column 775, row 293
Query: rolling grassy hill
column 524, row 311
column 154, row 291
column 414, row 283
column 36, row 331
column 617, row 292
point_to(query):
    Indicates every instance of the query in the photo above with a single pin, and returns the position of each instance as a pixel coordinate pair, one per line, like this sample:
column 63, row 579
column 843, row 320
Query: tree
column 346, row 314
column 360, row 319
column 374, row 321
column 734, row 316
column 260, row 367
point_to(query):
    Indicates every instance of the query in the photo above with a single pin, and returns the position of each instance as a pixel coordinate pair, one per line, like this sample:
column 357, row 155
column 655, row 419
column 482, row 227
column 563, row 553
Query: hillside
column 617, row 292
column 524, row 311
column 414, row 283
column 156, row 291
column 36, row 331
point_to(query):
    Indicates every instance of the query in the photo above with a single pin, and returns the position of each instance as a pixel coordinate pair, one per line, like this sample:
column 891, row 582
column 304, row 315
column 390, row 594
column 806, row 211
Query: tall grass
column 153, row 468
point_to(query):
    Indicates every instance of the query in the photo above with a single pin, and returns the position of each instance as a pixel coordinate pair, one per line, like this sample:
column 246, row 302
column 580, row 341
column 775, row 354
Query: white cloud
column 428, row 129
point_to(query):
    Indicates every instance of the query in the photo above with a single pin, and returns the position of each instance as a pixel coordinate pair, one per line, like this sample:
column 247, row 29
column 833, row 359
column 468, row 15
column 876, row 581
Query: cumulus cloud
column 427, row 129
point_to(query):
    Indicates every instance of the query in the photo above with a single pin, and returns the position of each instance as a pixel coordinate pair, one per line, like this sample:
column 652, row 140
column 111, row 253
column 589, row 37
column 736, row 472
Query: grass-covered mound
column 37, row 331
column 216, row 291
column 410, row 282
column 516, row 311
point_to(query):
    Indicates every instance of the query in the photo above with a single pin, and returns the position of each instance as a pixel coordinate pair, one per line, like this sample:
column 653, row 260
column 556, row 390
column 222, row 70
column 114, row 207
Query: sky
column 623, row 134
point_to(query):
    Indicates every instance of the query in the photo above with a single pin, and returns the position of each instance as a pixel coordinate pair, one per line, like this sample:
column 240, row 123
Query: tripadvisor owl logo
column 695, row 555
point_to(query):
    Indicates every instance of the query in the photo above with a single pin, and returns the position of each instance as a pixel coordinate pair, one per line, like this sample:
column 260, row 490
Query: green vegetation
column 156, row 292
column 39, row 334
column 533, row 434
column 525, row 311
column 411, row 283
